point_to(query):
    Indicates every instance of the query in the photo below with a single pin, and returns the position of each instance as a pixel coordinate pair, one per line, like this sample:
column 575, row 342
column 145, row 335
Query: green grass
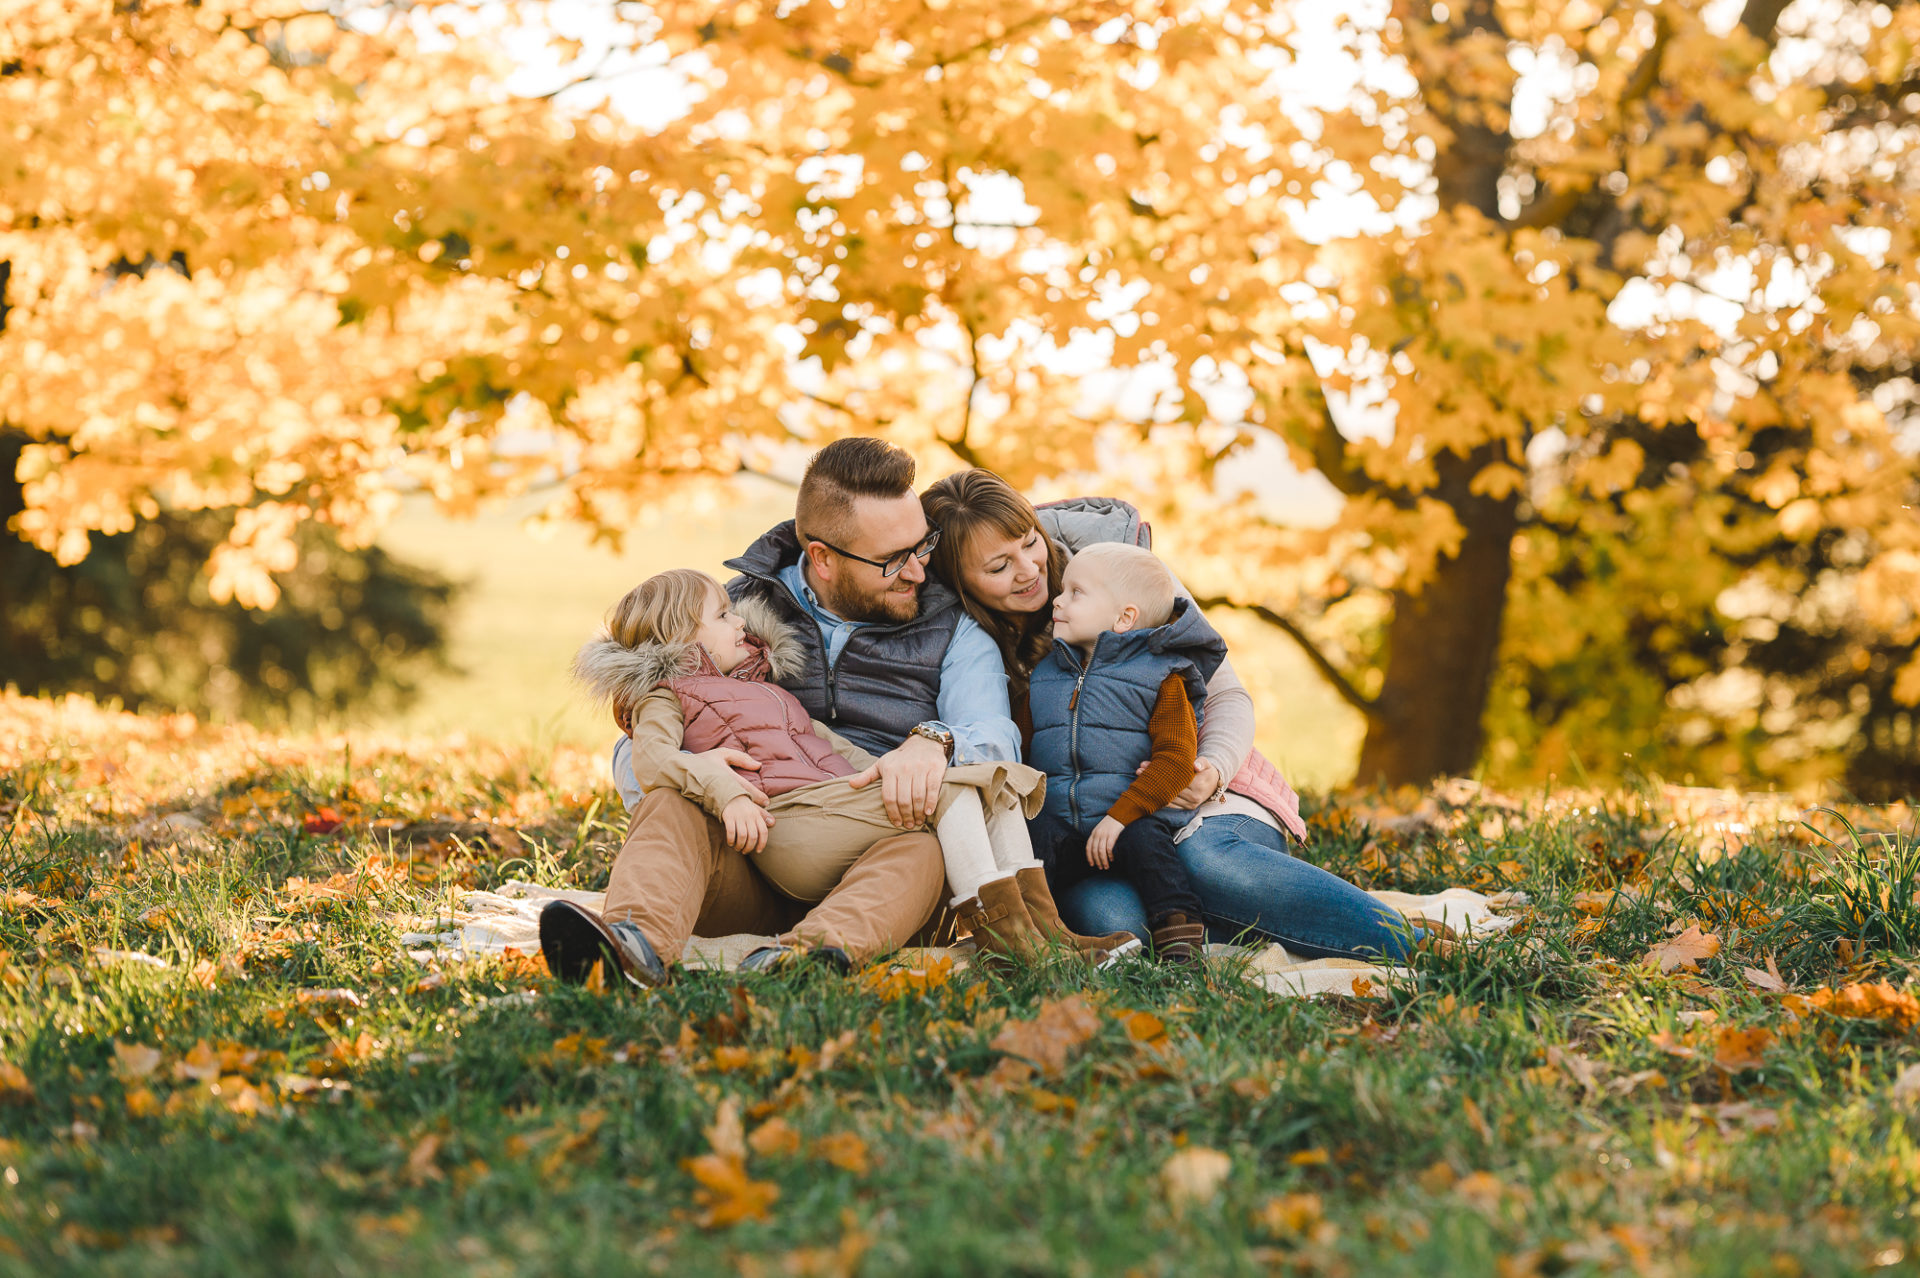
column 1543, row 1103
column 530, row 602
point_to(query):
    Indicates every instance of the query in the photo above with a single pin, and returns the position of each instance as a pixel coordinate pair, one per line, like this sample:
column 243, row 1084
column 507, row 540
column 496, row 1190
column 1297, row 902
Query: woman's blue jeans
column 1249, row 884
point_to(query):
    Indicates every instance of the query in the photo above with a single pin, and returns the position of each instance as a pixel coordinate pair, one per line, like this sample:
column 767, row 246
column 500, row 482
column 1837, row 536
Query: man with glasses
column 891, row 662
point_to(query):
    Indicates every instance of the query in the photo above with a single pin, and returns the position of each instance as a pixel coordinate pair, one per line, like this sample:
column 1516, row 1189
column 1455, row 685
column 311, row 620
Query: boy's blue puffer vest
column 1090, row 723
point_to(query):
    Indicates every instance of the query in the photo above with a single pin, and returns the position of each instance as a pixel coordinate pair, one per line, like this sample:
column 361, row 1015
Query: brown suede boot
column 999, row 922
column 1038, row 898
column 1179, row 939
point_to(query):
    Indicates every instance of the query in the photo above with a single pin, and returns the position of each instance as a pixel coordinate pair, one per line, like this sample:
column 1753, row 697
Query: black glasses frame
column 892, row 564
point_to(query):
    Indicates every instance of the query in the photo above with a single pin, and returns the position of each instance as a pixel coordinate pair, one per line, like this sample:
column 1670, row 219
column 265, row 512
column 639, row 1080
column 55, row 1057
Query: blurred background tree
column 352, row 630
column 1587, row 330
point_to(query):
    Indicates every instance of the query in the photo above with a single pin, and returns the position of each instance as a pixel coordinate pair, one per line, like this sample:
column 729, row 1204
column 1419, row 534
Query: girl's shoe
column 1038, row 898
column 1179, row 939
column 1000, row 924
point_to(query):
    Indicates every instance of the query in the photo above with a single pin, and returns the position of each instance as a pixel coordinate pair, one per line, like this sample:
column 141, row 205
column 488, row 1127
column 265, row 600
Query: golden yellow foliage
column 1603, row 384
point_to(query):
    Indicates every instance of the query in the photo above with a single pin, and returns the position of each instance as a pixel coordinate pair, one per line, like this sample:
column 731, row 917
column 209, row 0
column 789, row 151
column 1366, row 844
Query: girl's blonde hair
column 665, row 608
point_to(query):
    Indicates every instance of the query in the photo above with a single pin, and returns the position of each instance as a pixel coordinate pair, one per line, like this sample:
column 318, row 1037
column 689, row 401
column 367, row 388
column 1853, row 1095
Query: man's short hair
column 1135, row 576
column 843, row 470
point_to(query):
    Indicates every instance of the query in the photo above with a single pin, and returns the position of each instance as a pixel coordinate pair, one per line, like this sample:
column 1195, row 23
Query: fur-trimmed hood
column 620, row 676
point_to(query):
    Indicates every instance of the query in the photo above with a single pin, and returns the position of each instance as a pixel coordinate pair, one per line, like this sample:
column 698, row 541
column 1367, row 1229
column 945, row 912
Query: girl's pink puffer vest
column 742, row 710
column 1260, row 781
column 763, row 719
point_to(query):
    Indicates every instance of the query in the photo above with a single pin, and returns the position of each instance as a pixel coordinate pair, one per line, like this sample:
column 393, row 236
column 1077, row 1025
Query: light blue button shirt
column 972, row 701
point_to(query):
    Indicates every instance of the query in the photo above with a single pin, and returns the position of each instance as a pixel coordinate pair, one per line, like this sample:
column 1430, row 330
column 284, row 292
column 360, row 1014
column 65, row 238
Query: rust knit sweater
column 1176, row 744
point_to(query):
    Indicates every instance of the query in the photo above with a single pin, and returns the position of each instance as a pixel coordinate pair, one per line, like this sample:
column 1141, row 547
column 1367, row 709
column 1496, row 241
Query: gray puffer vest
column 887, row 677
column 1090, row 720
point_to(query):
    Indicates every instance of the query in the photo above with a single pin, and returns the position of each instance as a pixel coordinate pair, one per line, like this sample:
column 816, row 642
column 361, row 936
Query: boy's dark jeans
column 1143, row 855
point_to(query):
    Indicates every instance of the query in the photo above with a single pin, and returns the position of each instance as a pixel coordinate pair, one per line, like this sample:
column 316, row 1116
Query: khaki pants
column 677, row 878
column 820, row 830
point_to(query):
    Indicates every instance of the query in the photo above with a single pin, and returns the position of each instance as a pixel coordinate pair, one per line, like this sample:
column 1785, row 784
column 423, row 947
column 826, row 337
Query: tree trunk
column 1442, row 645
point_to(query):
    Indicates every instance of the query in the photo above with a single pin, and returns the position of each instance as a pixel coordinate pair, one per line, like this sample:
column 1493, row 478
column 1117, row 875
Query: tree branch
column 1323, row 441
column 1553, row 207
column 1761, row 16
column 960, row 446
column 843, row 409
column 1331, row 673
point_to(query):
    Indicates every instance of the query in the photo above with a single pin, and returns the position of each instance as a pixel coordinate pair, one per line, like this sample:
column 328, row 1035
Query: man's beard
column 885, row 607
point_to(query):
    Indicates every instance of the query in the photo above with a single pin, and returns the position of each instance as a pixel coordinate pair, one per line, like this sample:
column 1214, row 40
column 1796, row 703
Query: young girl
column 688, row 671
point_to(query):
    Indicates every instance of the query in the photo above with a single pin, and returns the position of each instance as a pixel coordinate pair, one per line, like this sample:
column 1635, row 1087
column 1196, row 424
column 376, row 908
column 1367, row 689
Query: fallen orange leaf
column 15, row 1088
column 726, row 1135
column 845, row 1151
column 775, row 1136
column 1049, row 1038
column 727, row 1192
column 421, row 1166
column 1878, row 1001
column 1482, row 1189
column 1292, row 1216
column 324, row 821
column 134, row 1060
column 1735, row 1050
column 1194, row 1175
column 1684, row 952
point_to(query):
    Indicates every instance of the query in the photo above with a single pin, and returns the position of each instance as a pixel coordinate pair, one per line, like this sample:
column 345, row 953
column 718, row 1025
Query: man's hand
column 1100, row 843
column 731, row 758
column 909, row 777
column 747, row 822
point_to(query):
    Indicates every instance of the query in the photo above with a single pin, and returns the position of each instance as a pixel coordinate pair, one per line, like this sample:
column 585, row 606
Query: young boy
column 1130, row 661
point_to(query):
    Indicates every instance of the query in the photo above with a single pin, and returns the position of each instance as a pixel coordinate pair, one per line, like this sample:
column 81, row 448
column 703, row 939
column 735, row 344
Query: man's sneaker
column 769, row 959
column 574, row 939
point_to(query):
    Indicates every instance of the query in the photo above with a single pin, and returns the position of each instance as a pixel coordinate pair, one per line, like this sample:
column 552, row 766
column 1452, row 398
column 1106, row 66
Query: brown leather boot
column 1038, row 898
column 999, row 922
column 1179, row 939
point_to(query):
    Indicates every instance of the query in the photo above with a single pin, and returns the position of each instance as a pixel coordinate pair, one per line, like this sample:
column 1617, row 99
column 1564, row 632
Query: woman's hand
column 1206, row 780
column 747, row 822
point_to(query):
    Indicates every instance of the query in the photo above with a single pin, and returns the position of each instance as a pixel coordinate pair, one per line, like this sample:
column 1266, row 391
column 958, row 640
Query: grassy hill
column 223, row 1053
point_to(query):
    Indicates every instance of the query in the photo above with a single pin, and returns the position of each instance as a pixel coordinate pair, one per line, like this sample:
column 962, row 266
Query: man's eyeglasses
column 892, row 564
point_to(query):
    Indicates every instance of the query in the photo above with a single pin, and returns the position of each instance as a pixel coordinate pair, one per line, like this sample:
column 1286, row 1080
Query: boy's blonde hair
column 1135, row 576
column 665, row 608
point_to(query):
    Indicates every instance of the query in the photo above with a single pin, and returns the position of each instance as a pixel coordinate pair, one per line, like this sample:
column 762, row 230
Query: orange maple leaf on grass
column 1735, row 1050
column 1878, row 1001
column 727, row 1193
column 1046, row 1041
column 1684, row 952
column 844, row 1150
column 725, row 1190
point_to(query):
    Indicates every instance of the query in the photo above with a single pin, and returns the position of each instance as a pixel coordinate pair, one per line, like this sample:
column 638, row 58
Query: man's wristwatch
column 939, row 736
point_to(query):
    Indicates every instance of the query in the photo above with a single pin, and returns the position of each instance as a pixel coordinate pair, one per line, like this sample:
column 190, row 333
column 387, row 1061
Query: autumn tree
column 1596, row 319
column 133, row 621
